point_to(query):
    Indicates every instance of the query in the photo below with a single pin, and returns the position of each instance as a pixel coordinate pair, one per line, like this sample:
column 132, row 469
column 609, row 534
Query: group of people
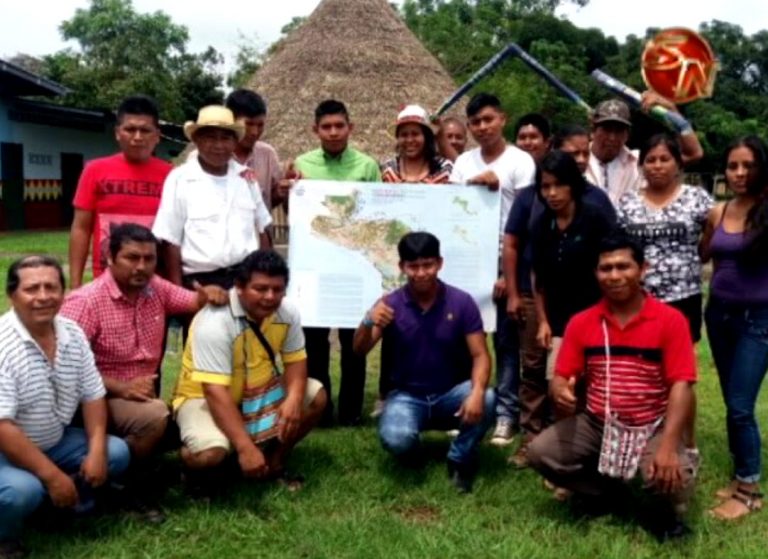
column 599, row 300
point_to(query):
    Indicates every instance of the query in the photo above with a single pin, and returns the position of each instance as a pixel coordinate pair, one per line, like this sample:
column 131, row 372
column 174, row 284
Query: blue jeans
column 406, row 415
column 506, row 342
column 738, row 337
column 21, row 492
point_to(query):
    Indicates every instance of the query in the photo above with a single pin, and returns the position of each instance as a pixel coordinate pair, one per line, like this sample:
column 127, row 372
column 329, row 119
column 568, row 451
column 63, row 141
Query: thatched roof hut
column 359, row 52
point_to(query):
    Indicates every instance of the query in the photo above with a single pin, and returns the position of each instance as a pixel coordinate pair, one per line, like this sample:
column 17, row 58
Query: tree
column 121, row 52
column 248, row 60
column 463, row 34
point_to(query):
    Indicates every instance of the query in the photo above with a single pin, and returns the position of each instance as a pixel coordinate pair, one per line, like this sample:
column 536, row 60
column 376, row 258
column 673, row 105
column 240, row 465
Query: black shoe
column 144, row 507
column 12, row 549
column 665, row 525
column 461, row 475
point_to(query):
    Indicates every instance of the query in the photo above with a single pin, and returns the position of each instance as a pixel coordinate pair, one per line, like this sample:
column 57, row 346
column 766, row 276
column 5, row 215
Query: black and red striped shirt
column 647, row 356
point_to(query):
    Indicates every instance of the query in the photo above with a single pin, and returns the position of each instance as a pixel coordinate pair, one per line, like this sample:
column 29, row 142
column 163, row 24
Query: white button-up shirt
column 617, row 177
column 41, row 397
column 215, row 220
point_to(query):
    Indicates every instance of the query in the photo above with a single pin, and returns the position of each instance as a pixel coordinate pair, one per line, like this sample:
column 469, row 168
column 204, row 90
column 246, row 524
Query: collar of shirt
column 339, row 157
column 234, row 168
column 63, row 337
column 237, row 310
column 114, row 291
column 646, row 313
column 411, row 301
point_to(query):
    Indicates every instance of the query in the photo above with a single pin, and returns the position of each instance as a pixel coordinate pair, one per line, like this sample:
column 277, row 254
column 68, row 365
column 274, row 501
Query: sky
column 26, row 27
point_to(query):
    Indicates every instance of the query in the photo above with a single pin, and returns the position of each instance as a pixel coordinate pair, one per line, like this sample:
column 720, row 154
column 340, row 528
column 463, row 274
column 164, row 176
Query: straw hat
column 214, row 116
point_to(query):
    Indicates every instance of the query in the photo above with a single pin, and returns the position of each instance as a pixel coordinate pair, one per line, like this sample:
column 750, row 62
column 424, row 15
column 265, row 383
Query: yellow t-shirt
column 221, row 349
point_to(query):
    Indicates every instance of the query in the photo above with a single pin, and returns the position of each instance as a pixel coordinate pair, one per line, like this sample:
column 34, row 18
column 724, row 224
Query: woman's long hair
column 757, row 217
column 564, row 168
column 430, row 149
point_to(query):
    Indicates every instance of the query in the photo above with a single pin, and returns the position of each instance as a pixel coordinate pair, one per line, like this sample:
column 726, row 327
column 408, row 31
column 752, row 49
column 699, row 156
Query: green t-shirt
column 349, row 165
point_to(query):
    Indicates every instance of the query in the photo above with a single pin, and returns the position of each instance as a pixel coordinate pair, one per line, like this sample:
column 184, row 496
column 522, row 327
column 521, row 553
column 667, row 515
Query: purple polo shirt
column 426, row 351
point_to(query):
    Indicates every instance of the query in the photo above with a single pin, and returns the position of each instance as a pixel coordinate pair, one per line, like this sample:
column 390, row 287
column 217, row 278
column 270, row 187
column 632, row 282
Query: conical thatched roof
column 359, row 52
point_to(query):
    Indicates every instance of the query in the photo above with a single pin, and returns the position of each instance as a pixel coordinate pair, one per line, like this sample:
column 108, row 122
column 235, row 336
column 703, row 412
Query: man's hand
column 139, row 389
column 544, row 335
column 94, row 468
column 665, row 470
column 471, row 410
column 514, row 306
column 563, row 392
column 252, row 462
column 651, row 98
column 486, row 178
column 288, row 419
column 61, row 488
column 212, row 294
column 382, row 314
column 500, row 289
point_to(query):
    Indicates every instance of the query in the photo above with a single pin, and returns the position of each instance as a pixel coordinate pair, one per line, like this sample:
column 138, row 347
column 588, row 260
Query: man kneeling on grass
column 637, row 359
column 439, row 364
column 243, row 383
column 123, row 313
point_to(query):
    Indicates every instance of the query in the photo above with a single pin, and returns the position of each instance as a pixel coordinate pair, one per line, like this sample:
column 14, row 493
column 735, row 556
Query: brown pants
column 130, row 418
column 567, row 454
column 534, row 408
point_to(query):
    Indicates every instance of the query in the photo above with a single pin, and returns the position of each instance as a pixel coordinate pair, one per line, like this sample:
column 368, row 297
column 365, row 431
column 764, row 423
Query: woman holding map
column 417, row 160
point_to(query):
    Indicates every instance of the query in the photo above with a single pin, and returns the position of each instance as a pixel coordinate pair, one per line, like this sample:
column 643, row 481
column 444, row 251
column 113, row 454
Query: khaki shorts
column 552, row 354
column 199, row 431
column 132, row 418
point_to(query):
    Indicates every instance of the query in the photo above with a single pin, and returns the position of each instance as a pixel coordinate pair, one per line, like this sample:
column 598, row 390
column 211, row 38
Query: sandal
column 747, row 502
column 725, row 493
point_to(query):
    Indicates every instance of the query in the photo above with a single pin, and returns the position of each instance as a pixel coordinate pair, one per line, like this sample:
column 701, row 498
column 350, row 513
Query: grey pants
column 567, row 454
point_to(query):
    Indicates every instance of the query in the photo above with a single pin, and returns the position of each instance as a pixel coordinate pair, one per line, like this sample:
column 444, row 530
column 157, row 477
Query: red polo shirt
column 647, row 355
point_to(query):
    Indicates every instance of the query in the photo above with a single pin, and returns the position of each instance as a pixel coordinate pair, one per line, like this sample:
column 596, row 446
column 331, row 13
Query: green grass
column 357, row 503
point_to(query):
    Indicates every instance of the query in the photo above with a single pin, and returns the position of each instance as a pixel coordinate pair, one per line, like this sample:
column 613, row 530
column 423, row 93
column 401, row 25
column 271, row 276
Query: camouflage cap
column 612, row 110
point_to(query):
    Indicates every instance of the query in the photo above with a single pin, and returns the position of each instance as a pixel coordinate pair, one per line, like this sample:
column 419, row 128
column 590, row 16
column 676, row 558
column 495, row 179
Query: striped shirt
column 647, row 355
column 222, row 349
column 39, row 398
column 127, row 337
column 390, row 172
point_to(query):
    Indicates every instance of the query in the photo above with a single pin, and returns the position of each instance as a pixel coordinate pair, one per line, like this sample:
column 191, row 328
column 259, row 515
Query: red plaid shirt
column 126, row 337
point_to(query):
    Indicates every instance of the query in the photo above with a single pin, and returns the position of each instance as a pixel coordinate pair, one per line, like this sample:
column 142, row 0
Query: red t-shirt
column 117, row 191
column 647, row 355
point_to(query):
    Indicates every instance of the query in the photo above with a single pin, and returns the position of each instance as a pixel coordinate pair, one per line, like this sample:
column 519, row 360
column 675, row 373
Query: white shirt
column 622, row 174
column 214, row 220
column 515, row 168
column 39, row 397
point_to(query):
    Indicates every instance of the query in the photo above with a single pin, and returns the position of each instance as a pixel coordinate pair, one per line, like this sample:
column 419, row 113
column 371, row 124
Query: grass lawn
column 357, row 503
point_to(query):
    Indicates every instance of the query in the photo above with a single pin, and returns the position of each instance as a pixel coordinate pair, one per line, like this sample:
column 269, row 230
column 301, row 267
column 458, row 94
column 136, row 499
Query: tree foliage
column 121, row 52
column 464, row 34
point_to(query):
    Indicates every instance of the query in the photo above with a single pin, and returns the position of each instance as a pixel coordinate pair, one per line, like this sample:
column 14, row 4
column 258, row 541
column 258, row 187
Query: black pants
column 352, row 387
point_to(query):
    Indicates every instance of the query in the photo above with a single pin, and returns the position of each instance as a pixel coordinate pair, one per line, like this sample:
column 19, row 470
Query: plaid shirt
column 126, row 337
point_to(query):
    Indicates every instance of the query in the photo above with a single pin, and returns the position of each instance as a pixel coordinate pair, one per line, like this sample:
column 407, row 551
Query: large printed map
column 343, row 243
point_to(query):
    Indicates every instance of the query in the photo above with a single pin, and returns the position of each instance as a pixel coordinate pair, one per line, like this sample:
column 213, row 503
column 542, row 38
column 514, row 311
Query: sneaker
column 12, row 549
column 378, row 409
column 504, row 433
column 461, row 475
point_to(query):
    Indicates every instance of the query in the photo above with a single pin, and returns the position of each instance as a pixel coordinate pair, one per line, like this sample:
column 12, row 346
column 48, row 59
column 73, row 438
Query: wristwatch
column 368, row 320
